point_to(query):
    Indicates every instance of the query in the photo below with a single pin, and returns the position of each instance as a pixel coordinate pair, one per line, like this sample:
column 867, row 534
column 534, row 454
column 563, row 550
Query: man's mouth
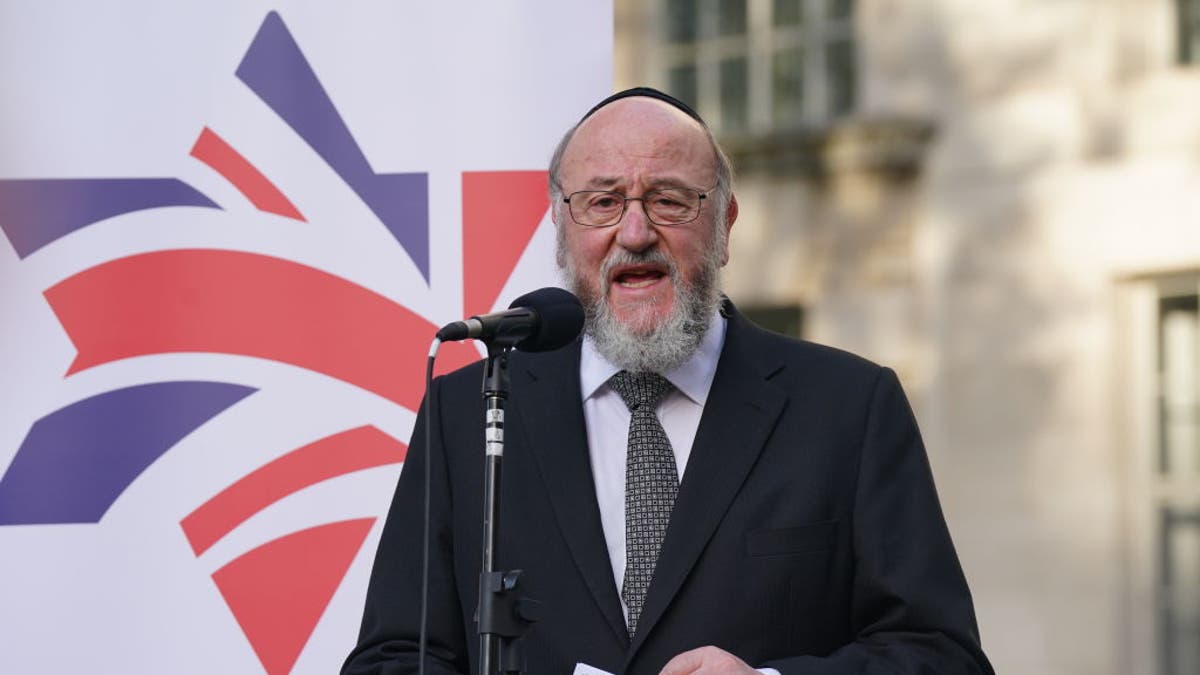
column 638, row 277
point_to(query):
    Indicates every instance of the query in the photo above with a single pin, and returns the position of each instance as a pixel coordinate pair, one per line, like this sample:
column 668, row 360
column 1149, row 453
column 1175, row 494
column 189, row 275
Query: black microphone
column 539, row 321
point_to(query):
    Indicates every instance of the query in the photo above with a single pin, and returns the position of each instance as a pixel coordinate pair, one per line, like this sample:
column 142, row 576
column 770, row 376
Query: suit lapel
column 741, row 410
column 552, row 420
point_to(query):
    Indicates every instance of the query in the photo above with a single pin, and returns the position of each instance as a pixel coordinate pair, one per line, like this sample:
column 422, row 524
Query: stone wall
column 1012, row 165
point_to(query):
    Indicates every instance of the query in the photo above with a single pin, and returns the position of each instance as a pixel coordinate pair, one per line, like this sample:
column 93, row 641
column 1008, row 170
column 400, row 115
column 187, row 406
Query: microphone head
column 560, row 319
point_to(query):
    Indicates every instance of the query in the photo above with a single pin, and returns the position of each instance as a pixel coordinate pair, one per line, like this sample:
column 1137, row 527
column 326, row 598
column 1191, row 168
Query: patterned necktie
column 651, row 483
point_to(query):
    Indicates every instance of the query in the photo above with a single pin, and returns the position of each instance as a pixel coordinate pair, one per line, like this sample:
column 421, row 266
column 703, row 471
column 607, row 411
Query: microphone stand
column 502, row 615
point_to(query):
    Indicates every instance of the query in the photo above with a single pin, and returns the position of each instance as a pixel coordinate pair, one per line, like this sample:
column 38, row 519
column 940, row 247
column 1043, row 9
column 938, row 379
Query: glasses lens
column 596, row 208
column 673, row 206
column 600, row 208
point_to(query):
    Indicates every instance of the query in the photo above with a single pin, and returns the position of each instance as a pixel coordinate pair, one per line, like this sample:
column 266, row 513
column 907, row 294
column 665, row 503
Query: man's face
column 632, row 146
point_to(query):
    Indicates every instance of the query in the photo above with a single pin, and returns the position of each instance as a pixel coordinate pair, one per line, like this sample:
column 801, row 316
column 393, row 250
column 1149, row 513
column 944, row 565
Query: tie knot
column 640, row 389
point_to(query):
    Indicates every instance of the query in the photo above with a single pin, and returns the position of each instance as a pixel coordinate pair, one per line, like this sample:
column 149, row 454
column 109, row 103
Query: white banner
column 230, row 230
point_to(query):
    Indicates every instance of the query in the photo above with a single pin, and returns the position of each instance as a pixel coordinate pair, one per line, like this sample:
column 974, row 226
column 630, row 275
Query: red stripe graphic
column 278, row 591
column 501, row 211
column 249, row 304
column 215, row 152
column 352, row 450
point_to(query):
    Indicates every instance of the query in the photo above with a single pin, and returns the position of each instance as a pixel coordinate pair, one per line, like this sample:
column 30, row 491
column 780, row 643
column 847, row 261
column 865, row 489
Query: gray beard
column 667, row 345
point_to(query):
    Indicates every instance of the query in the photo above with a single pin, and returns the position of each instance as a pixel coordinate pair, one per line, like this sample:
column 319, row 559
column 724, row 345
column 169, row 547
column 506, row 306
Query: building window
column 734, row 106
column 783, row 319
column 682, row 82
column 731, row 17
column 756, row 66
column 680, row 21
column 1187, row 14
column 812, row 62
column 1160, row 422
column 1177, row 481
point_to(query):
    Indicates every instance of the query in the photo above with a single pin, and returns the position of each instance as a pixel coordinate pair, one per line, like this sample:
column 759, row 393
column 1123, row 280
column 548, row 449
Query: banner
column 230, row 231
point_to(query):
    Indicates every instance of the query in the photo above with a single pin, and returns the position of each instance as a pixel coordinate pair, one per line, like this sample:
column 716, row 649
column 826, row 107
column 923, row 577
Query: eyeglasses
column 667, row 207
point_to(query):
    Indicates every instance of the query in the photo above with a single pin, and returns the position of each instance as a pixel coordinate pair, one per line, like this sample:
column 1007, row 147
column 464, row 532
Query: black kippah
column 648, row 92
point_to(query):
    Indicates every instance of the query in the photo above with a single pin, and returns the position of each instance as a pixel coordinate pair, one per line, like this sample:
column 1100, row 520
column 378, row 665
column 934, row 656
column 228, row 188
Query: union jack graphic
column 76, row 462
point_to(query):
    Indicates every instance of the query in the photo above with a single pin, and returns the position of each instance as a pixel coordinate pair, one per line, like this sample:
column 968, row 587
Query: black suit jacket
column 807, row 534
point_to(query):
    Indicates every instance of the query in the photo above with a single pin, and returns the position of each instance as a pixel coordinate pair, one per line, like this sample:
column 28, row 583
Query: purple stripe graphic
column 276, row 70
column 77, row 460
column 35, row 212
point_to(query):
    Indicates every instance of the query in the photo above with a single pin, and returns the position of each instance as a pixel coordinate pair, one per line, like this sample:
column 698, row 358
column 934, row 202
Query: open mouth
column 638, row 277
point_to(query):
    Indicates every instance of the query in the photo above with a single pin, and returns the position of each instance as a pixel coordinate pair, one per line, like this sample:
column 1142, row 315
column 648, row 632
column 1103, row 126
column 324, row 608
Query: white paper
column 585, row 669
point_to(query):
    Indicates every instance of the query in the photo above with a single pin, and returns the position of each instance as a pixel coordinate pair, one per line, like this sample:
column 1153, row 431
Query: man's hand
column 707, row 661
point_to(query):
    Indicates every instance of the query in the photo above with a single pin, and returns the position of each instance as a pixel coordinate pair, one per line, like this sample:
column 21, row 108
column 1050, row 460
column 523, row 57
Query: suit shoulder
column 811, row 357
column 468, row 377
column 520, row 364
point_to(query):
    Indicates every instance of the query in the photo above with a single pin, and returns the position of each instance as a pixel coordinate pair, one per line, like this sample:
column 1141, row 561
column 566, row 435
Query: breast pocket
column 807, row 538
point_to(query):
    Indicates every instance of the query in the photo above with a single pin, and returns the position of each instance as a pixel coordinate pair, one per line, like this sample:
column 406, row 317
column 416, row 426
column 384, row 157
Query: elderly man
column 685, row 491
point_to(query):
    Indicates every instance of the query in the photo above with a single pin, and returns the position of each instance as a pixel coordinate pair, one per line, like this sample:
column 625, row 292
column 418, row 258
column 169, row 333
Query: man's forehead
column 637, row 132
column 653, row 182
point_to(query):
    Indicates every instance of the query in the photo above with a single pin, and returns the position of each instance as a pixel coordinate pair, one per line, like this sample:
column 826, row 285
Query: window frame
column 1155, row 498
column 815, row 36
column 1187, row 32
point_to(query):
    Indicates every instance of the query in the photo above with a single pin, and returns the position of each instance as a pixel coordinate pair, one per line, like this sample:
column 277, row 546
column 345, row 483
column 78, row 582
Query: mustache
column 622, row 256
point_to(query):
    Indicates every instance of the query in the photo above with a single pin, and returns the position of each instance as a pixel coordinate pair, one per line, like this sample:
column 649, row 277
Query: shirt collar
column 693, row 377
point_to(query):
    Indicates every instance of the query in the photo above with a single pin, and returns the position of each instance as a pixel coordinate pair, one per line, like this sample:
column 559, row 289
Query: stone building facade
column 1001, row 200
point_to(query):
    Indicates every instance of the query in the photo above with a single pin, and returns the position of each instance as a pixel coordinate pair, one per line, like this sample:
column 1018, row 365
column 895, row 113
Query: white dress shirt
column 607, row 420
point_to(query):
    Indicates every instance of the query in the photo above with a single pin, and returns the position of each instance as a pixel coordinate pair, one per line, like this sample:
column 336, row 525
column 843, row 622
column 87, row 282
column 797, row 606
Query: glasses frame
column 703, row 194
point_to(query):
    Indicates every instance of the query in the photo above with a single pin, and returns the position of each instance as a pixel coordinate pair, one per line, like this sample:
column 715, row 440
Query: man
column 770, row 507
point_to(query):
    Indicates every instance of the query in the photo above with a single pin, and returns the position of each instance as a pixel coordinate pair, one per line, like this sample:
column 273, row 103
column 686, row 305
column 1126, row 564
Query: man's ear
column 731, row 214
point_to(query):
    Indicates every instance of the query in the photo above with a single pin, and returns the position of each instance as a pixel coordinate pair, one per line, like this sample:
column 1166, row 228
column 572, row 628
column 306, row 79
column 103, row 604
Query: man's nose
column 635, row 231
